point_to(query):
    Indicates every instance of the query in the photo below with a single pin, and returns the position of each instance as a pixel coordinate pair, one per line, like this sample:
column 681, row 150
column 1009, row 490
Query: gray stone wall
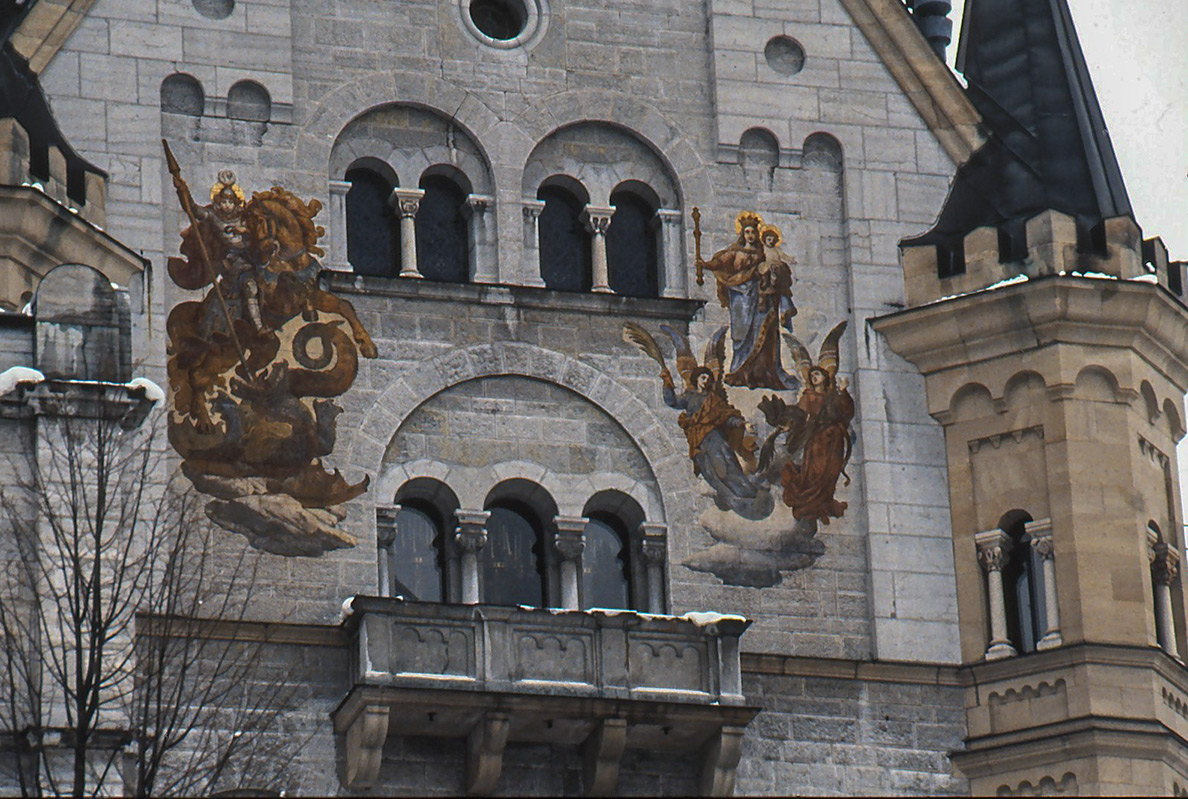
column 823, row 736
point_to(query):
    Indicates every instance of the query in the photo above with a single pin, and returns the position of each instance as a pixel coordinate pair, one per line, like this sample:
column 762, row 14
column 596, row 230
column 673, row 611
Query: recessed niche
column 501, row 20
column 784, row 54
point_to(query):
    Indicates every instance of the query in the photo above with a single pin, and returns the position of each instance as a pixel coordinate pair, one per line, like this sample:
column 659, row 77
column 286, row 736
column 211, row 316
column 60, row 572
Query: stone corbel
column 720, row 764
column 603, row 750
column 484, row 753
column 365, row 738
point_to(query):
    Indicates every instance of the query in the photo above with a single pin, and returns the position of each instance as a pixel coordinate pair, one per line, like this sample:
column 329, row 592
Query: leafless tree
column 124, row 664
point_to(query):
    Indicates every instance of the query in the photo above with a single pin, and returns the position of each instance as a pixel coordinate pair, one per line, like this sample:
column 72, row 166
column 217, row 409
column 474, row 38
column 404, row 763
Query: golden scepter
column 697, row 245
column 183, row 196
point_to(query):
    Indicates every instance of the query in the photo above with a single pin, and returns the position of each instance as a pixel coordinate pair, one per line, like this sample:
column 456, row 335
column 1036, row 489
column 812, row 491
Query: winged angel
column 721, row 443
column 817, row 440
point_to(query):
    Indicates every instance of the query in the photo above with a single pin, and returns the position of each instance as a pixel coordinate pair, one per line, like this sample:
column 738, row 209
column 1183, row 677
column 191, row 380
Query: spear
column 697, row 244
column 187, row 204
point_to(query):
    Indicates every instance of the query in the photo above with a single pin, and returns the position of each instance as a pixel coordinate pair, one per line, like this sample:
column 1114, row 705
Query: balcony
column 603, row 680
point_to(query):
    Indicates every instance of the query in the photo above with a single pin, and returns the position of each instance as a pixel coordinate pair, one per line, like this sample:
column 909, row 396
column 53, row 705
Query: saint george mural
column 770, row 446
column 254, row 364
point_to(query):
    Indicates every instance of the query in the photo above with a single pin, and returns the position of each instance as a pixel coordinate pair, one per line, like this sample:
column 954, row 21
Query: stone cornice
column 865, row 670
column 46, row 28
column 924, row 78
column 963, row 332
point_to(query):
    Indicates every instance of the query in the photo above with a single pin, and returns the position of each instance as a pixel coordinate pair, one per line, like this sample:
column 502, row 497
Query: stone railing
column 580, row 677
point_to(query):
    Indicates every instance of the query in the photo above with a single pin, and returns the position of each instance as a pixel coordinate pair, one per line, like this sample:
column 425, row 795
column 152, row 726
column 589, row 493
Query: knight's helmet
column 1052, row 342
column 226, row 184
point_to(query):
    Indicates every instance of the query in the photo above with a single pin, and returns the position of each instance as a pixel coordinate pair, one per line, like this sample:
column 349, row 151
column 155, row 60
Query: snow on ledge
column 152, row 392
column 11, row 378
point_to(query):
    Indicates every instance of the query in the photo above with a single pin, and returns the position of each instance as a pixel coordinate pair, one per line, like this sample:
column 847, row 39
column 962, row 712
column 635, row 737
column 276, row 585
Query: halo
column 218, row 188
column 765, row 229
column 747, row 216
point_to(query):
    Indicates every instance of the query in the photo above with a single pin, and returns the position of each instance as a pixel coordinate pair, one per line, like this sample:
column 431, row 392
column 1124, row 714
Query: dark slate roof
column 1047, row 142
column 21, row 96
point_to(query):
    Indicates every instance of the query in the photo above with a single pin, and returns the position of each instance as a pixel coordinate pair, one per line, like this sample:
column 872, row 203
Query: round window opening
column 502, row 20
column 784, row 54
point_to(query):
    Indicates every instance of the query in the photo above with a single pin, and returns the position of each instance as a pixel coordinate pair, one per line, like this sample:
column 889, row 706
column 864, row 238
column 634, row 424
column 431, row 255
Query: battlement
column 1048, row 243
column 25, row 161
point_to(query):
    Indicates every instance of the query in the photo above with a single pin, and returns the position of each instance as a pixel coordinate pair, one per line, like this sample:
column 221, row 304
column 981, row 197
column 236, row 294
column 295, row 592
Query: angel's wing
column 800, row 355
column 634, row 334
column 715, row 353
column 828, row 357
column 685, row 360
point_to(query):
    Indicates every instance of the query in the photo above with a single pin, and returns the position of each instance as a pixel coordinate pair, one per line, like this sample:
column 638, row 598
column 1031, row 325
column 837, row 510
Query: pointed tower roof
column 1047, row 145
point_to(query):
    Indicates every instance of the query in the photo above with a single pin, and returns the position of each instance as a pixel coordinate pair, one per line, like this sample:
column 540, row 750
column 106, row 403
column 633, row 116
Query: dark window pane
column 565, row 256
column 416, row 564
column 373, row 232
column 511, row 572
column 604, row 567
column 441, row 232
column 631, row 247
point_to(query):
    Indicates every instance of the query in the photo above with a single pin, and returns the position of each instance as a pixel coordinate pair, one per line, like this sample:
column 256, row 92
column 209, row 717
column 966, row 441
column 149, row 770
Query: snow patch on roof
column 152, row 392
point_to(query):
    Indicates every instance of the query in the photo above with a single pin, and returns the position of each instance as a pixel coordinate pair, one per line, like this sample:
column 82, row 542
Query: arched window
column 1023, row 588
column 442, row 246
column 606, row 566
column 250, row 101
column 513, row 565
column 631, row 248
column 566, row 259
column 373, row 231
column 415, row 553
column 182, row 94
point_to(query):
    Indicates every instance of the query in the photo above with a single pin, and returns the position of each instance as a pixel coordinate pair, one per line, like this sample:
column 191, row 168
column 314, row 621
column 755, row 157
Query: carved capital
column 994, row 546
column 1165, row 564
column 598, row 218
column 668, row 216
column 531, row 209
column 1040, row 532
column 571, row 536
column 471, row 535
column 654, row 543
column 406, row 201
column 479, row 204
column 386, row 527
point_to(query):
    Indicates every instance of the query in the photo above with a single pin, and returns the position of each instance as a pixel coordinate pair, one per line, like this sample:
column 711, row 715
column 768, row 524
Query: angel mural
column 816, row 432
column 721, row 443
column 253, row 365
column 755, row 284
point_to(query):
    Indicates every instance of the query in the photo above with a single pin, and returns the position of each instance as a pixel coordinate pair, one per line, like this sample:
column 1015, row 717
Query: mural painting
column 769, row 498
column 254, row 364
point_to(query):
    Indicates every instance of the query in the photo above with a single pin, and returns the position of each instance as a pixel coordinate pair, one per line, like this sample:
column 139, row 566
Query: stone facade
column 864, row 657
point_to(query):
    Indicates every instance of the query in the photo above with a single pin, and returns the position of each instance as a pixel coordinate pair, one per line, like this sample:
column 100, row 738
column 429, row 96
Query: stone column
column 1040, row 532
column 483, row 268
column 598, row 219
column 471, row 536
column 1165, row 567
column 531, row 260
column 339, row 260
column 993, row 548
column 570, row 541
column 407, row 202
column 654, row 548
column 671, row 262
column 386, row 530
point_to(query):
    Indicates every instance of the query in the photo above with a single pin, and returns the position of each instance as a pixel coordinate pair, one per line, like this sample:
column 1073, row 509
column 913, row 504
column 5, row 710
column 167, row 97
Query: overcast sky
column 1137, row 52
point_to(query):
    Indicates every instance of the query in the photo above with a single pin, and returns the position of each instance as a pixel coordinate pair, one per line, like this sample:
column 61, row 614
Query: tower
column 1054, row 356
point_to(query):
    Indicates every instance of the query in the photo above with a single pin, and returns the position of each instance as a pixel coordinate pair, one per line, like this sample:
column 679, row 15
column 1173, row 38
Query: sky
column 1137, row 51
